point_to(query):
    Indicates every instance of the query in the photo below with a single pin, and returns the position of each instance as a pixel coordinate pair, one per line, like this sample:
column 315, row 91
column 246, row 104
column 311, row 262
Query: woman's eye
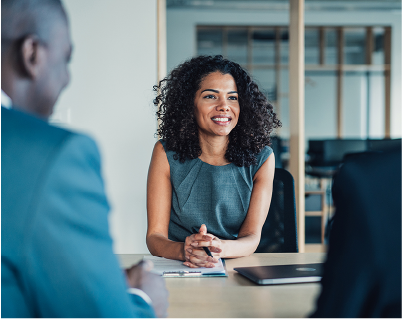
column 234, row 98
column 209, row 96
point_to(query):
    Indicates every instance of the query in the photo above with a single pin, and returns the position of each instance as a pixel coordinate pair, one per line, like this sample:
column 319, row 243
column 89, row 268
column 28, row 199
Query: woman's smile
column 221, row 120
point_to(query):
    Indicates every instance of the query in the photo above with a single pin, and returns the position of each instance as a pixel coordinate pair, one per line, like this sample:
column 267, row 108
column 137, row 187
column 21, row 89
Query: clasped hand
column 194, row 252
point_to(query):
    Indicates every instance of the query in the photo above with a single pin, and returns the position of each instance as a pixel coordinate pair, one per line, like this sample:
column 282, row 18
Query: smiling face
column 216, row 104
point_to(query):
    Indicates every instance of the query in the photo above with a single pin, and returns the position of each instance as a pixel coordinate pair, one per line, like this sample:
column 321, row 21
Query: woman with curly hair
column 211, row 173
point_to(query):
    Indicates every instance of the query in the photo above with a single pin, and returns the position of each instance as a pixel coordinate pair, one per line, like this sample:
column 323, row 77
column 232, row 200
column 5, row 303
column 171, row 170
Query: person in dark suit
column 56, row 251
column 362, row 273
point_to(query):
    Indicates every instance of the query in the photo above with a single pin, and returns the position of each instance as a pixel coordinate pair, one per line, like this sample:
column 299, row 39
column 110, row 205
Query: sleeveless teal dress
column 217, row 196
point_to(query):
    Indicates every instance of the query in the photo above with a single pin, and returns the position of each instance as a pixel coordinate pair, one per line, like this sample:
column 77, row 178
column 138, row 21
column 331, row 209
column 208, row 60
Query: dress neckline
column 213, row 165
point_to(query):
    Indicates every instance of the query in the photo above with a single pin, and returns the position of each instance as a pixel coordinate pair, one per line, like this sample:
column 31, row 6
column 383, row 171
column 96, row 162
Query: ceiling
column 280, row 5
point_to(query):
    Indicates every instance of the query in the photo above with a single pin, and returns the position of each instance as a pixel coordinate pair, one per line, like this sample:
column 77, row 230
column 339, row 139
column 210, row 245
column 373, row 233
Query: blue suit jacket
column 362, row 273
column 56, row 251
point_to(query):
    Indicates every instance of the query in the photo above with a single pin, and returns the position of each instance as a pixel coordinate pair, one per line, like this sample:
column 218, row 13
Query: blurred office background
column 352, row 81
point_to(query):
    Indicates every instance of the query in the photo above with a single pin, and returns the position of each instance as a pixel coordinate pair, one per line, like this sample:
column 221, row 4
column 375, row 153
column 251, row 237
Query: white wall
column 110, row 97
column 181, row 37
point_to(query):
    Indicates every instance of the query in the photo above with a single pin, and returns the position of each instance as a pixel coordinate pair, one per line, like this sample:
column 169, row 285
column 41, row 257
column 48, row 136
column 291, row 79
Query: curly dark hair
column 178, row 126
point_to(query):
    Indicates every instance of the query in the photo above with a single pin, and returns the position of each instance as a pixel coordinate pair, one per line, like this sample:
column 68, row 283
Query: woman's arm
column 250, row 231
column 159, row 200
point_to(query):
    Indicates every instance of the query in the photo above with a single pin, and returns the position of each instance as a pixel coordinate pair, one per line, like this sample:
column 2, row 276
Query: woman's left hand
column 195, row 253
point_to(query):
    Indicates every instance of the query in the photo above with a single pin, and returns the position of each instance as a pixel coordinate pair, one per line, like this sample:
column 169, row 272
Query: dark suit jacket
column 56, row 251
column 362, row 274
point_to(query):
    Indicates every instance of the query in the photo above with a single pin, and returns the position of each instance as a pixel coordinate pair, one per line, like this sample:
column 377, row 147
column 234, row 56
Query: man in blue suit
column 56, row 251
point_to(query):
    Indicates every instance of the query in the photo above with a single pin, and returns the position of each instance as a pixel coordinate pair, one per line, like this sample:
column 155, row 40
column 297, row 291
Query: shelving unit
column 323, row 190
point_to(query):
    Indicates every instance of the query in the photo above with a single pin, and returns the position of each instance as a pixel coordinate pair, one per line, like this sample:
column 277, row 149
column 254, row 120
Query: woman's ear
column 32, row 58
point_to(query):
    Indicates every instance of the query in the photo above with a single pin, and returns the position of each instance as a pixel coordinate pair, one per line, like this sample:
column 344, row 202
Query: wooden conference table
column 236, row 296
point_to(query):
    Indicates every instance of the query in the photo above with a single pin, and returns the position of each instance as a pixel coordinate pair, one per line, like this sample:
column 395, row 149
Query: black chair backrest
column 384, row 145
column 279, row 233
column 330, row 152
column 276, row 145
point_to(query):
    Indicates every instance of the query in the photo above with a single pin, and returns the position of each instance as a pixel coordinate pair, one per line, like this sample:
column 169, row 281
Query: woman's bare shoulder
column 159, row 158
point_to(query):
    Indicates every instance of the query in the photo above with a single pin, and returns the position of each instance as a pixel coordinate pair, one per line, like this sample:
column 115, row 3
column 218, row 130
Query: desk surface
column 236, row 296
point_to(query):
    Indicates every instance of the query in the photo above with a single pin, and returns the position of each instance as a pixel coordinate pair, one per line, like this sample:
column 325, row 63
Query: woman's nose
column 222, row 106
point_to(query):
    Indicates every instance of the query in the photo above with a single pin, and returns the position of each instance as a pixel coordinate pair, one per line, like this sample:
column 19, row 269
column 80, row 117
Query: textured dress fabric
column 217, row 196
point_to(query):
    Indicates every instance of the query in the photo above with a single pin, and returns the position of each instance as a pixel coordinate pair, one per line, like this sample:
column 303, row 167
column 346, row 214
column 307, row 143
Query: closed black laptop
column 282, row 274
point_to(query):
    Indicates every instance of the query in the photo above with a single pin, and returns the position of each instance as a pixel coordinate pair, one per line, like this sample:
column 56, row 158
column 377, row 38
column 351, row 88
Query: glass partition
column 284, row 46
column 378, row 49
column 209, row 41
column 352, row 85
column 237, row 45
column 312, row 46
column 376, row 108
column 320, row 104
column 354, row 104
column 266, row 80
column 354, row 50
column 331, row 46
column 263, row 46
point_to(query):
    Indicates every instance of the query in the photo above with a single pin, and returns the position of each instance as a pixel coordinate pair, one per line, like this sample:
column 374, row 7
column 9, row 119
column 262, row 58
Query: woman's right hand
column 196, row 256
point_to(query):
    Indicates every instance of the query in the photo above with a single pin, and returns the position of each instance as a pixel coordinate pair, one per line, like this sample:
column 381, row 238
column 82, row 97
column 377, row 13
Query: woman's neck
column 214, row 149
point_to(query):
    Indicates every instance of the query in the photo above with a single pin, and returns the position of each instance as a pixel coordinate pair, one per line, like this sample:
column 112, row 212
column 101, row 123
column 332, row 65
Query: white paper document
column 175, row 268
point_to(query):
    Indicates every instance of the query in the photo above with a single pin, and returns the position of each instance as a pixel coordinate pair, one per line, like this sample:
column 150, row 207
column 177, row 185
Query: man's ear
column 32, row 57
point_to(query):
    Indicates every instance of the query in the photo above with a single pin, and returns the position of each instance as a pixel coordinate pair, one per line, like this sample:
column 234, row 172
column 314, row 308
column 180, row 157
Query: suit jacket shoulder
column 57, row 255
column 28, row 146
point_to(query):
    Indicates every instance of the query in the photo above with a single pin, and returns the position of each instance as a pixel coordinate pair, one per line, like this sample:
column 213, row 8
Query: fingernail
column 194, row 244
column 189, row 250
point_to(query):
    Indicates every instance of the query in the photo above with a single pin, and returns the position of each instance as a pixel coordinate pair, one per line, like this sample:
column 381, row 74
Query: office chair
column 384, row 145
column 279, row 233
column 327, row 154
column 325, row 158
column 276, row 145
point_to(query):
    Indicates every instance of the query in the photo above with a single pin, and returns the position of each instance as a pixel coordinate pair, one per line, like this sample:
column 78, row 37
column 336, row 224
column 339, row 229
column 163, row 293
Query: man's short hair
column 20, row 18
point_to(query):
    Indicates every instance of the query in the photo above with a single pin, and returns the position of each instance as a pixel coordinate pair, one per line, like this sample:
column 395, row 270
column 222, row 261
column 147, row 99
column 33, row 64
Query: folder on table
column 175, row 268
